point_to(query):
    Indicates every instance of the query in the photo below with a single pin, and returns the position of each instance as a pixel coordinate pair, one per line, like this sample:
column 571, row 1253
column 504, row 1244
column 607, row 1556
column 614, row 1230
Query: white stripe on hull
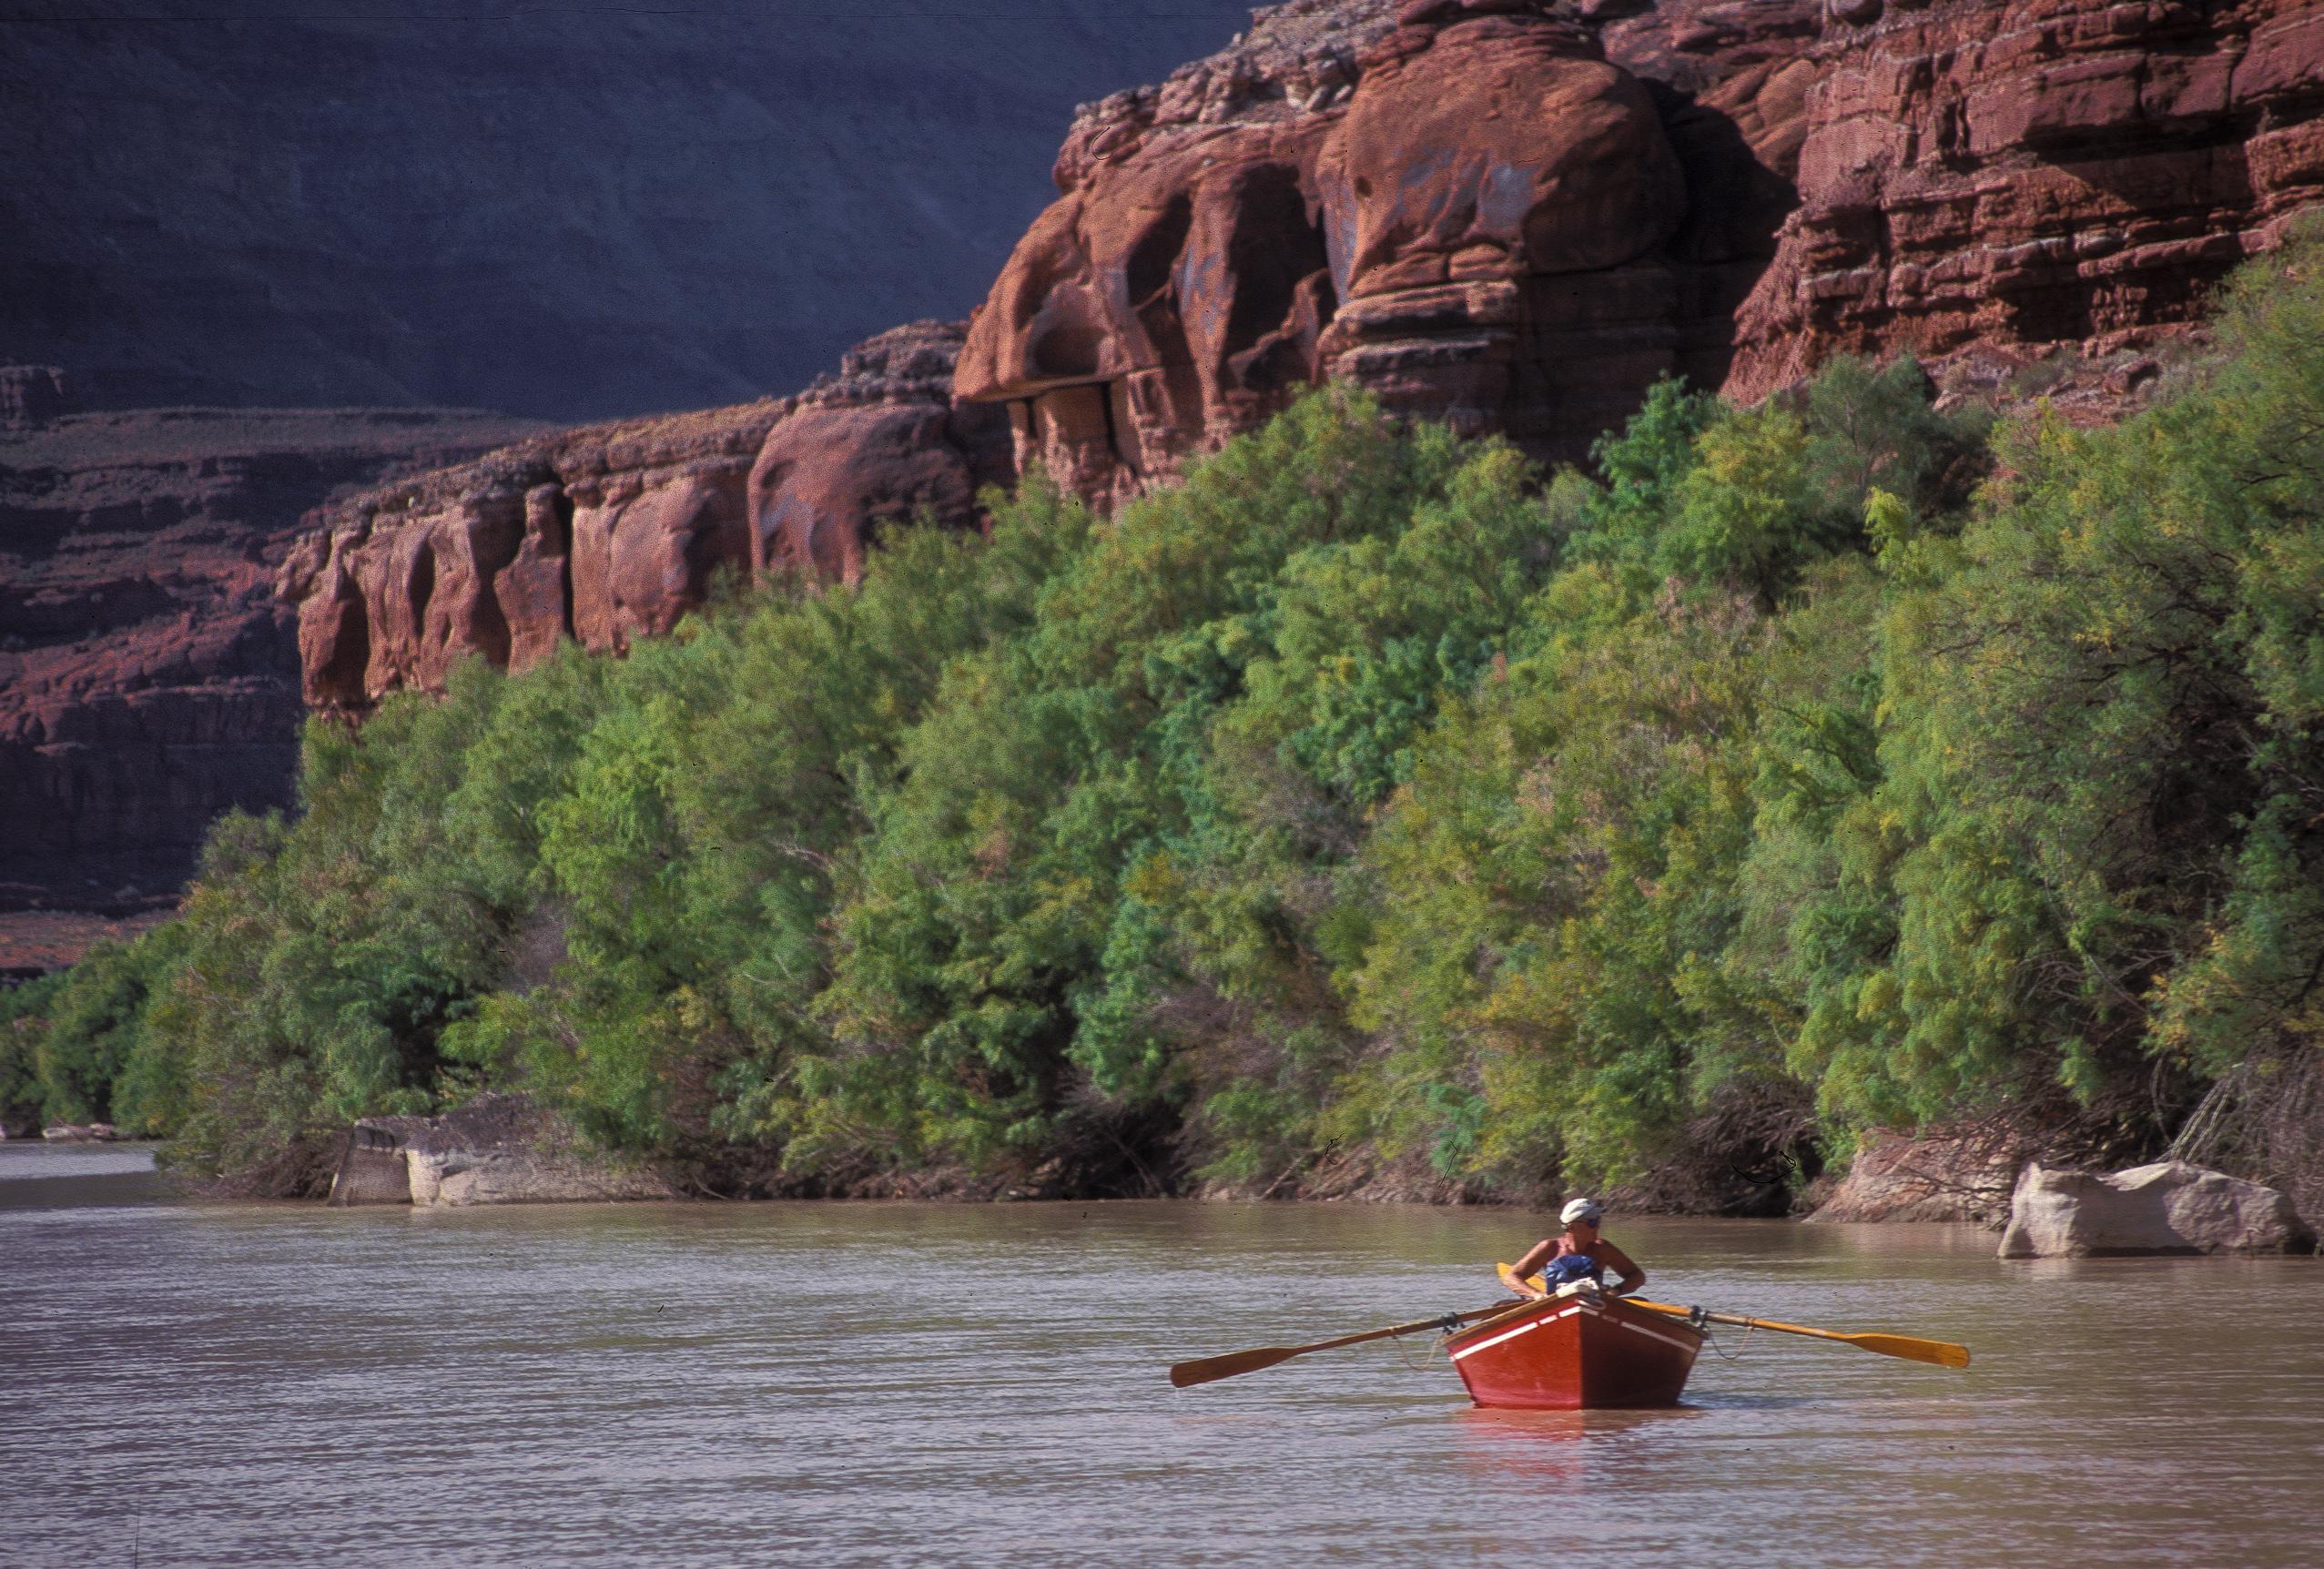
column 1666, row 1340
column 1512, row 1334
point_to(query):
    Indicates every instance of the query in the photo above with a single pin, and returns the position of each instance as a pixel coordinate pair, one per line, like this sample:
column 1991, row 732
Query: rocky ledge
column 608, row 533
column 1983, row 173
column 1956, row 1176
column 81, row 1133
column 498, row 1150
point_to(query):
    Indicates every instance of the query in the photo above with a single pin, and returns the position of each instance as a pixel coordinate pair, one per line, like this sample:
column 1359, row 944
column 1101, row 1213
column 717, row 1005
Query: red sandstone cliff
column 1979, row 174
column 1515, row 215
column 1479, row 209
column 608, row 533
column 1512, row 214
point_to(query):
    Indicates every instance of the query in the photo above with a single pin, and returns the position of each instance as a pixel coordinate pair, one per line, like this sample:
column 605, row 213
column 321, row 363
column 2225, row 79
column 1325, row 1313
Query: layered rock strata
column 148, row 679
column 33, row 395
column 1514, row 216
column 1939, row 1174
column 610, row 533
column 2035, row 172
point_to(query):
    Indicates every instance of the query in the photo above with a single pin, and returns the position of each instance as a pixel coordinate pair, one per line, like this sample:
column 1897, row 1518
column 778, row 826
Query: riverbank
column 501, row 1153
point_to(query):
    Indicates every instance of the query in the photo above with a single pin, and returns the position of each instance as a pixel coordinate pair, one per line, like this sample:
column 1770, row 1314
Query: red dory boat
column 1576, row 1352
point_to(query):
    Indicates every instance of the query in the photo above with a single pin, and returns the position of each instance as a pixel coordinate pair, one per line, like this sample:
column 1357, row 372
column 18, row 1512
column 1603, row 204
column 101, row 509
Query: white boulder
column 497, row 1149
column 2169, row 1207
column 452, row 1177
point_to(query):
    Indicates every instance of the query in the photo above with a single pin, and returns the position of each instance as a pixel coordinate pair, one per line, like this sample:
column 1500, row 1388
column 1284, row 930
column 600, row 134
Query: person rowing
column 1580, row 1252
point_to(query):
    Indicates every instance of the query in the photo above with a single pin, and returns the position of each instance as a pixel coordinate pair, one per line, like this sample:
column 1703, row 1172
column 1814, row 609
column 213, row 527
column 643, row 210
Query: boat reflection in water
column 1560, row 1451
column 1509, row 1435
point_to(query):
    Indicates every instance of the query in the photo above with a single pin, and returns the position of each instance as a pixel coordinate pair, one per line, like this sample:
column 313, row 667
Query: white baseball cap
column 1580, row 1209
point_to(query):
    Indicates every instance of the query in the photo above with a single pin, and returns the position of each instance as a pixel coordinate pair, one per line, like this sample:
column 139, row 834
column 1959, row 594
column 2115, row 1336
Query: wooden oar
column 1204, row 1369
column 1912, row 1348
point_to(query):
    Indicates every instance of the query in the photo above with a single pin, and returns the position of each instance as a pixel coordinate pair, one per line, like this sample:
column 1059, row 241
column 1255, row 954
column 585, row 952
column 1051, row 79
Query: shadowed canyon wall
column 178, row 587
column 573, row 214
column 148, row 679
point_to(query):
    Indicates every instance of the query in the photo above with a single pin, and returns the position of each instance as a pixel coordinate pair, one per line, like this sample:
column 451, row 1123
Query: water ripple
column 841, row 1385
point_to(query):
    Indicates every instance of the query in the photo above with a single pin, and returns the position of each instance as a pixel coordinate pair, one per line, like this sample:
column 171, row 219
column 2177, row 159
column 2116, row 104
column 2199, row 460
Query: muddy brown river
column 212, row 1385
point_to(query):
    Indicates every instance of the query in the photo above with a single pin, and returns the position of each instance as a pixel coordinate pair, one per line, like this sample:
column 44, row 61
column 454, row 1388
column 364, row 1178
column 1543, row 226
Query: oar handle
column 1707, row 1315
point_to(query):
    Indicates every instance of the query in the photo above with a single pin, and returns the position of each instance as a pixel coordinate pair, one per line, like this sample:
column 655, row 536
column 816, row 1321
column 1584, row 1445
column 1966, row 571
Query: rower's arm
column 1633, row 1278
column 1530, row 1265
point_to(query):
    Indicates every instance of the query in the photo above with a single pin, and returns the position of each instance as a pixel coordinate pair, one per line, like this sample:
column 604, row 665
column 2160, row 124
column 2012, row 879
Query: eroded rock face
column 882, row 444
column 1994, row 172
column 599, row 535
column 1474, row 208
column 1511, row 214
column 1515, row 215
column 2169, row 1207
column 1937, row 1176
column 610, row 533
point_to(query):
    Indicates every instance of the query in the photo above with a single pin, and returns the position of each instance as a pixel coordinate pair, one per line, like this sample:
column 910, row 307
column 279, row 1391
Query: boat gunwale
column 1646, row 1320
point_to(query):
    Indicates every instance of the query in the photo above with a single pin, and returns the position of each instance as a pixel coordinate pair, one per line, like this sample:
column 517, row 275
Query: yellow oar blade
column 1941, row 1353
column 1912, row 1348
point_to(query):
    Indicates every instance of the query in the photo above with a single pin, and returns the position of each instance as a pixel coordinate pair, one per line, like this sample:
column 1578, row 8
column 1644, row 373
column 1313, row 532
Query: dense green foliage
column 1365, row 798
